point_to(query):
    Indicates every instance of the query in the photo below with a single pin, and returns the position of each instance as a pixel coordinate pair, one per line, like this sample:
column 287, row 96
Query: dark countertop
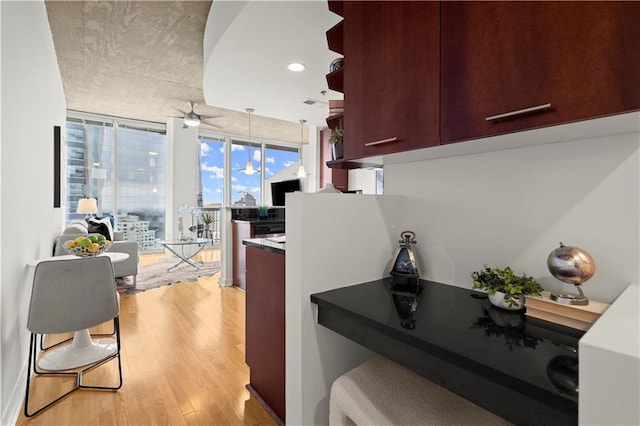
column 520, row 368
column 263, row 228
column 259, row 220
column 265, row 244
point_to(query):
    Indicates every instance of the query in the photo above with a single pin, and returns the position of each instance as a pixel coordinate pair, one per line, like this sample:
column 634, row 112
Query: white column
column 182, row 173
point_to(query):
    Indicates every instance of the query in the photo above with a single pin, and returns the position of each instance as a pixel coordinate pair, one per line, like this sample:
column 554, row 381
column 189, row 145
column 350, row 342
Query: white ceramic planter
column 497, row 299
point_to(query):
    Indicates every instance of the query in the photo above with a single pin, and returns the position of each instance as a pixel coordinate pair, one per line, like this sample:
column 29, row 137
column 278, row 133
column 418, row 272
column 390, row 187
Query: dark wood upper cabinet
column 563, row 61
column 391, row 76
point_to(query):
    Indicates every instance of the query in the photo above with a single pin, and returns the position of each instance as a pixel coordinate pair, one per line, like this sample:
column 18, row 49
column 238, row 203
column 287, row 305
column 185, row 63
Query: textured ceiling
column 143, row 60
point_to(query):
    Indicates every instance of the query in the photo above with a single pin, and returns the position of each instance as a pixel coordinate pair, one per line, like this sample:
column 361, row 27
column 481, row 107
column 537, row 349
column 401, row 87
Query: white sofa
column 121, row 269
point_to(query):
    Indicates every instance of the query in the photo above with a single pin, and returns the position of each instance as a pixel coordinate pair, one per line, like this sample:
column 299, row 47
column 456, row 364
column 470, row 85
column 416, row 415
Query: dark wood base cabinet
column 245, row 229
column 265, row 329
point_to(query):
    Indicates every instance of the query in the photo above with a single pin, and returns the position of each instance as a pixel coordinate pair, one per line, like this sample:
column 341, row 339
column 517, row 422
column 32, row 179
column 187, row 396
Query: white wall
column 32, row 103
column 503, row 207
column 333, row 240
column 513, row 207
column 362, row 179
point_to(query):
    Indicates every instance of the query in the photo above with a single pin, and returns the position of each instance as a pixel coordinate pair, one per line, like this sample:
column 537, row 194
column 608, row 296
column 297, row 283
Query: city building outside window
column 123, row 167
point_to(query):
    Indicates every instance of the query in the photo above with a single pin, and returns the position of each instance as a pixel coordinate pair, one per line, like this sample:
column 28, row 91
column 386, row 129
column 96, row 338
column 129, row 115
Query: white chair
column 72, row 295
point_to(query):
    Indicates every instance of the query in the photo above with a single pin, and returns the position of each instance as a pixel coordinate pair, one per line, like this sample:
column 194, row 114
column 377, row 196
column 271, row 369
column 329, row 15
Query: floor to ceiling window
column 281, row 163
column 249, row 172
column 255, row 166
column 123, row 167
column 246, row 174
column 211, row 172
column 212, row 186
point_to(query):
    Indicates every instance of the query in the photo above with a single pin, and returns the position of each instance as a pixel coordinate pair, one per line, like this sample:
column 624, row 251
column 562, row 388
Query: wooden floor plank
column 183, row 363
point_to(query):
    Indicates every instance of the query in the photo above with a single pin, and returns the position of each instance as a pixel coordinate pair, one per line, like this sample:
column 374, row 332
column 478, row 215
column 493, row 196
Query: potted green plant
column 336, row 141
column 505, row 289
column 207, row 219
column 263, row 212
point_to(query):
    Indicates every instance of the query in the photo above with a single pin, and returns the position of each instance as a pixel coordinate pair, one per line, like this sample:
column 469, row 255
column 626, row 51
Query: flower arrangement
column 195, row 213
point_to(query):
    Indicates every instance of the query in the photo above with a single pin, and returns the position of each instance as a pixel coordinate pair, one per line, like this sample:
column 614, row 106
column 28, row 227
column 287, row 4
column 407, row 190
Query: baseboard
column 12, row 410
column 224, row 282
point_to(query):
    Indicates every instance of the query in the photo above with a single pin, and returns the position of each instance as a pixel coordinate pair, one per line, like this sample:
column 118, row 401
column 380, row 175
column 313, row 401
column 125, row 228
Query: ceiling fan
column 191, row 119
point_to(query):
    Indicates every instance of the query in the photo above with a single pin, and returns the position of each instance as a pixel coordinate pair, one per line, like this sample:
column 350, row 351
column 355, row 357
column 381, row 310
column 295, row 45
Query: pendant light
column 249, row 169
column 301, row 171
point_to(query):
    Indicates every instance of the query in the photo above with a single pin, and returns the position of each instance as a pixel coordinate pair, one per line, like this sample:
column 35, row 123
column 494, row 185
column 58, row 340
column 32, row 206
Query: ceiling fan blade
column 204, row 117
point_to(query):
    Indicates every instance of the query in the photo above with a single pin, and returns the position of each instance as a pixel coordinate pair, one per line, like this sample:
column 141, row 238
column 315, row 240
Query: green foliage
column 504, row 280
column 337, row 136
column 207, row 218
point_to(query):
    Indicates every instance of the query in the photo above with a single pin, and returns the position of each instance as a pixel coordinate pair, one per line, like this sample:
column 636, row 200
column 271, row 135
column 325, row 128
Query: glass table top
column 192, row 241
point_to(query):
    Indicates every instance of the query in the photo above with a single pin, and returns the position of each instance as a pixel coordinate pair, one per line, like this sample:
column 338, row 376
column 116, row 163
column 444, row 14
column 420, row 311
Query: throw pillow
column 111, row 219
column 101, row 226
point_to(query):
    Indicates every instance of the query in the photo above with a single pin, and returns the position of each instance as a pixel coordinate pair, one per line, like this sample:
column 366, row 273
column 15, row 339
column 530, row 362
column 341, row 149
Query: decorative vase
column 337, row 150
column 497, row 299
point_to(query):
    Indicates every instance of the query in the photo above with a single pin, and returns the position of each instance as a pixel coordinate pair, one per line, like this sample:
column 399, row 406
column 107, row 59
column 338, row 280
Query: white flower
column 185, row 208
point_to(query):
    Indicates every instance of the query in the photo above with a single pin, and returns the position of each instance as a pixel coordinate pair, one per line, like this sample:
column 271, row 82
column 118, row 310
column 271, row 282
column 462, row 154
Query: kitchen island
column 265, row 323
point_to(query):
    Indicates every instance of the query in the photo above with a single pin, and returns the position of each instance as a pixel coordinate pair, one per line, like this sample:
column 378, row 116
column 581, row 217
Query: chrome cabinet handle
column 380, row 142
column 518, row 112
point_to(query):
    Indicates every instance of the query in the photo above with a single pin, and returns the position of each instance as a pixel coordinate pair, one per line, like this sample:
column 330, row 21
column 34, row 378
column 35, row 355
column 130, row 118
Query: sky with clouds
column 212, row 167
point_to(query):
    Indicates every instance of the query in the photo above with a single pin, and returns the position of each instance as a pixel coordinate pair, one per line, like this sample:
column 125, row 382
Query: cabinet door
column 391, row 76
column 265, row 326
column 566, row 61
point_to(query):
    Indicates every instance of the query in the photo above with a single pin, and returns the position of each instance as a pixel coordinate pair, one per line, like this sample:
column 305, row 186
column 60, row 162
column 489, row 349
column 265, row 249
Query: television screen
column 279, row 189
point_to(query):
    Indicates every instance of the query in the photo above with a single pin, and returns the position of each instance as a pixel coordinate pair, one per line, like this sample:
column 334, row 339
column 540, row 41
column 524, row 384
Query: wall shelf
column 335, row 121
column 335, row 80
column 336, row 6
column 334, row 38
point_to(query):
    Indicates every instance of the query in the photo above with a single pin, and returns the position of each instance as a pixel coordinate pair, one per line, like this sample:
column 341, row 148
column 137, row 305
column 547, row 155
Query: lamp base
column 569, row 299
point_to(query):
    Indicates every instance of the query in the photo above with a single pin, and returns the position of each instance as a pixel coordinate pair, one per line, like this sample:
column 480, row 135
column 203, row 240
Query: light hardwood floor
column 182, row 360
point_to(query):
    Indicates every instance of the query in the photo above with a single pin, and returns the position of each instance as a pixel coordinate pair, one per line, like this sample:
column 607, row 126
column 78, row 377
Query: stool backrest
column 72, row 294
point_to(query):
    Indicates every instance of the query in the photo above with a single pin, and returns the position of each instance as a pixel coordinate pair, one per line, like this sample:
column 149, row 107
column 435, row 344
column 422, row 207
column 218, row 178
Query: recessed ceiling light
column 296, row 66
column 153, row 153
